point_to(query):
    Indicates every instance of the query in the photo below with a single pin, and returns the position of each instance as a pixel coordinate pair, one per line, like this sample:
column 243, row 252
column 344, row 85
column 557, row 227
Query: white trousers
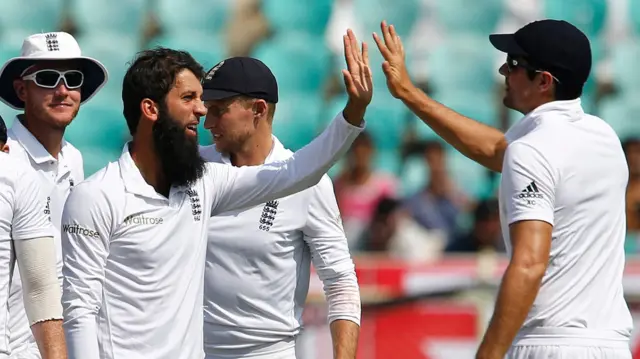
column 566, row 352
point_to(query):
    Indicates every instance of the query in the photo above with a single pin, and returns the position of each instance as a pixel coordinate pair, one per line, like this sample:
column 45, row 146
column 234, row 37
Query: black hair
column 385, row 207
column 432, row 145
column 152, row 75
column 486, row 209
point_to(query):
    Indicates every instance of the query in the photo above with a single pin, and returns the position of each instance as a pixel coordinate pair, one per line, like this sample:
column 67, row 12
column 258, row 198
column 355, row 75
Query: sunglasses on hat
column 49, row 78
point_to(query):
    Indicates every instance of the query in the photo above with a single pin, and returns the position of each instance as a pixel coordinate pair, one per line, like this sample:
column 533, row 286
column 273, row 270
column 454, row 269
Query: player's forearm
column 344, row 334
column 481, row 143
column 517, row 293
column 50, row 339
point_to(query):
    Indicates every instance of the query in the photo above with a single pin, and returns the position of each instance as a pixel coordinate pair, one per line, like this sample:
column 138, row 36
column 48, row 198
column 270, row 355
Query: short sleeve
column 528, row 184
column 29, row 219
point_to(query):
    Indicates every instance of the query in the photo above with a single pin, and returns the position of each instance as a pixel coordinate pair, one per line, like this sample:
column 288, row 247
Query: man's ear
column 149, row 109
column 547, row 81
column 4, row 148
column 21, row 90
column 260, row 108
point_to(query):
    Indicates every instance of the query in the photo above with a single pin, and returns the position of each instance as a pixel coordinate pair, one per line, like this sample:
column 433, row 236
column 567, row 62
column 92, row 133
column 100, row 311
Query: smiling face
column 55, row 107
column 184, row 105
column 232, row 122
column 174, row 132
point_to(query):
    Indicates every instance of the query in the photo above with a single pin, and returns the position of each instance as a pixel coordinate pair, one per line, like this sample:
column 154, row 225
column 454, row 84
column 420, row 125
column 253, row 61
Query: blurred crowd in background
column 401, row 190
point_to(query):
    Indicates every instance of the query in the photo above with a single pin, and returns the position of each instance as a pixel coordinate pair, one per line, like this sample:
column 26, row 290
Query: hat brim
column 95, row 77
column 214, row 94
column 507, row 44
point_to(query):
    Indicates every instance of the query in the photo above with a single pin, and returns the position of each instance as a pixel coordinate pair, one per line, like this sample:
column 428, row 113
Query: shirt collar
column 34, row 148
column 570, row 110
column 277, row 153
column 133, row 181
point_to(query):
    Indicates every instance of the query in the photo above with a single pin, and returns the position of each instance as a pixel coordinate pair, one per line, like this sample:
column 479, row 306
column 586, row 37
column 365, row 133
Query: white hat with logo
column 47, row 47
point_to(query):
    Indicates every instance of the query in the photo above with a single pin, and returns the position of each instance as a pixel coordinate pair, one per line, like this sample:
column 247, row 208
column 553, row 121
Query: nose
column 200, row 109
column 61, row 89
column 503, row 70
column 209, row 121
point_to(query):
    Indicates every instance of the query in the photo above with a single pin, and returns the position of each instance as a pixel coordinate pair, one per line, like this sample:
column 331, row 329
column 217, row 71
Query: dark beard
column 179, row 155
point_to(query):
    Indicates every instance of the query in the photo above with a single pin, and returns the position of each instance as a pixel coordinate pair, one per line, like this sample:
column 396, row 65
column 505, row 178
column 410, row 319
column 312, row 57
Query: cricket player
column 562, row 197
column 48, row 82
column 258, row 259
column 26, row 238
column 134, row 236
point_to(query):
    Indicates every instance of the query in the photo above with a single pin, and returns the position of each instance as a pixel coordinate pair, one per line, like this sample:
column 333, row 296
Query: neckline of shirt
column 32, row 146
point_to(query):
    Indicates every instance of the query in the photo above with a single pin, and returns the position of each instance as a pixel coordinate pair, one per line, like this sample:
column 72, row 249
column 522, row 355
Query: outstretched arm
column 479, row 142
column 239, row 187
column 247, row 186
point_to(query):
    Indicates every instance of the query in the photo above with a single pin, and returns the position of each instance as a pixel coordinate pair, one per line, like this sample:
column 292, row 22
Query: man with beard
column 562, row 196
column 259, row 259
column 135, row 233
column 48, row 82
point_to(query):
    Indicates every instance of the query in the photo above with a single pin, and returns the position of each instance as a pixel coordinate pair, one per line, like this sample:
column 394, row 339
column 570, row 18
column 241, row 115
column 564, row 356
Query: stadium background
column 421, row 219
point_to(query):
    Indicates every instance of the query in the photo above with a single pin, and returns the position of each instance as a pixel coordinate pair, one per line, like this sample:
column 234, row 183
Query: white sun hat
column 47, row 47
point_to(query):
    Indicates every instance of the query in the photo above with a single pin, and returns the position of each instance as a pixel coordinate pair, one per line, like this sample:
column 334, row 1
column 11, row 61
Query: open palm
column 357, row 76
column 394, row 67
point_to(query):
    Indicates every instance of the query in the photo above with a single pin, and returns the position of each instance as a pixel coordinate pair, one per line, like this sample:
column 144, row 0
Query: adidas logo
column 531, row 191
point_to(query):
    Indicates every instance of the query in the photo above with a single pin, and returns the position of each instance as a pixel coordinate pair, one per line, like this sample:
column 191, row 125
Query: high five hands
column 358, row 77
column 394, row 67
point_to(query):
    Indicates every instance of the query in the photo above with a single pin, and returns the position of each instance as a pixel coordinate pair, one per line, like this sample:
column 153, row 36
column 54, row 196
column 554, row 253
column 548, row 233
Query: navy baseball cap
column 551, row 45
column 3, row 131
column 240, row 76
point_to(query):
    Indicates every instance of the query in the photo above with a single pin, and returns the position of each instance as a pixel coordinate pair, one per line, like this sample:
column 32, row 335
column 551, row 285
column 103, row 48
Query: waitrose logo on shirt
column 138, row 219
column 76, row 229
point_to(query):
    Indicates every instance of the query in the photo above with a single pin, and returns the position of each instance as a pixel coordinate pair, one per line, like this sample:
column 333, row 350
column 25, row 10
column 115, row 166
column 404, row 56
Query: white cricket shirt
column 22, row 216
column 258, row 267
column 56, row 177
column 567, row 168
column 134, row 259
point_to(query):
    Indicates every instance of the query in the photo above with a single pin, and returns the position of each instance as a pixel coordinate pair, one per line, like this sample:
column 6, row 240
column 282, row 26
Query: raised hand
column 394, row 67
column 357, row 76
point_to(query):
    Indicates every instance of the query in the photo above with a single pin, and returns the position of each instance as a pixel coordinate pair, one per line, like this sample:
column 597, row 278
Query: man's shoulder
column 16, row 149
column 13, row 168
column 532, row 147
column 210, row 154
column 107, row 181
